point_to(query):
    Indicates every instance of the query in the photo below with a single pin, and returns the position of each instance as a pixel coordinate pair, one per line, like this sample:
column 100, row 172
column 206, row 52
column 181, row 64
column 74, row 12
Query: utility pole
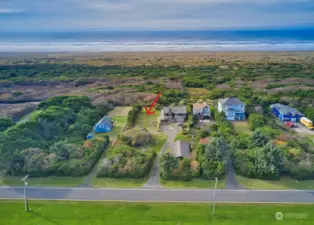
column 25, row 192
column 214, row 200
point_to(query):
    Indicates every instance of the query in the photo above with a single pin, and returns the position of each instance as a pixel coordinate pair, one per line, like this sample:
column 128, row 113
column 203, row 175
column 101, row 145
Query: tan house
column 173, row 114
column 201, row 110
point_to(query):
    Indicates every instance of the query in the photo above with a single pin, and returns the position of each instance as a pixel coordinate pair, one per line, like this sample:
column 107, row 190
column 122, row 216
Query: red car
column 290, row 124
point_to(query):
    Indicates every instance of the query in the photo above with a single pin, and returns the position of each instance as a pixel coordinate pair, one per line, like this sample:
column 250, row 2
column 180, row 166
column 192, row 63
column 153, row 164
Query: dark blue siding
column 286, row 117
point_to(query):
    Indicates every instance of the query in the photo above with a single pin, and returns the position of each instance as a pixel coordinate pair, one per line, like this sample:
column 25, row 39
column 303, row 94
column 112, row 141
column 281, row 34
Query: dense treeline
column 50, row 141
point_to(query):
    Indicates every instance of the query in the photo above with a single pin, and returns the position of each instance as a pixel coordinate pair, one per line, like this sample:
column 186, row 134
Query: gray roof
column 230, row 101
column 284, row 109
column 181, row 149
column 175, row 109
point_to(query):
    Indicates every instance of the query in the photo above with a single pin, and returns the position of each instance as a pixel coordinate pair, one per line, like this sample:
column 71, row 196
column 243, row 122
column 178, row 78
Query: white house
column 233, row 108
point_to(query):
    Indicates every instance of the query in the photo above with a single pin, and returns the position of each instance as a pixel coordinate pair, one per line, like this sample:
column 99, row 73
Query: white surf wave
column 154, row 46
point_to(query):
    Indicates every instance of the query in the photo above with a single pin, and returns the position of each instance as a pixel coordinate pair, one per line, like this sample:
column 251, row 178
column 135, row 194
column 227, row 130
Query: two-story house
column 286, row 113
column 201, row 110
column 173, row 114
column 233, row 108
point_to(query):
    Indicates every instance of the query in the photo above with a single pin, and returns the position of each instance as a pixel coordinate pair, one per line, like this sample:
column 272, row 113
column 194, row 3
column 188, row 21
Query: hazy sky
column 28, row 15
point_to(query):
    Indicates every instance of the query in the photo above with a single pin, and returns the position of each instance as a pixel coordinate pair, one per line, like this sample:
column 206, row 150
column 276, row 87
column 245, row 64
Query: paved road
column 164, row 195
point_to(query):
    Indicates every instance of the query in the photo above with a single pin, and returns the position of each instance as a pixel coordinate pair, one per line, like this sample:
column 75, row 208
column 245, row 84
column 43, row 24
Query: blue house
column 233, row 108
column 286, row 113
column 104, row 125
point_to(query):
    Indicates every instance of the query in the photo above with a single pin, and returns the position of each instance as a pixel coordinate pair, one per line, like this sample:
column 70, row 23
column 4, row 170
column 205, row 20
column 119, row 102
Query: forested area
column 51, row 140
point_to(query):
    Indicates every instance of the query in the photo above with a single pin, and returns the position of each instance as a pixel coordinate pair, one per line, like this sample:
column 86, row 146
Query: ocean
column 301, row 39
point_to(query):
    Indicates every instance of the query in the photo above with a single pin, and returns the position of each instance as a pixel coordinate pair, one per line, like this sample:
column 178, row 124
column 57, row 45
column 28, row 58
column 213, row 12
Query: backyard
column 242, row 127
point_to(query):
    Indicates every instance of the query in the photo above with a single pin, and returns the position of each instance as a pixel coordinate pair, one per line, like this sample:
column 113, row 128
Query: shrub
column 5, row 123
column 125, row 161
column 204, row 134
column 256, row 121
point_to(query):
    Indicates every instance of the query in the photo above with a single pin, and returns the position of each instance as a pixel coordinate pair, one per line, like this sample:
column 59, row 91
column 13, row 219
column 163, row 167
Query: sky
column 81, row 15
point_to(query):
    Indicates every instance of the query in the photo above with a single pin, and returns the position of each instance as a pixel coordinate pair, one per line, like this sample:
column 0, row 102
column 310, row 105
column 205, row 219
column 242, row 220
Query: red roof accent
column 205, row 141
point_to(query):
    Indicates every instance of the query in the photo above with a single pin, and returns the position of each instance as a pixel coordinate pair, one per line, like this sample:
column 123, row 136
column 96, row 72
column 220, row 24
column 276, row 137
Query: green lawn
column 195, row 183
column 119, row 182
column 182, row 137
column 242, row 127
column 283, row 183
column 119, row 116
column 148, row 121
column 160, row 140
column 122, row 213
column 45, row 181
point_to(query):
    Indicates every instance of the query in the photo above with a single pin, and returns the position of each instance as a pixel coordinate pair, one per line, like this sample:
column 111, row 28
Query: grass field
column 118, row 182
column 195, row 183
column 148, row 121
column 242, row 127
column 121, row 213
column 283, row 183
column 45, row 181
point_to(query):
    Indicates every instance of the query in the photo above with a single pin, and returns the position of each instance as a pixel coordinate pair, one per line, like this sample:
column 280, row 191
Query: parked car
column 291, row 125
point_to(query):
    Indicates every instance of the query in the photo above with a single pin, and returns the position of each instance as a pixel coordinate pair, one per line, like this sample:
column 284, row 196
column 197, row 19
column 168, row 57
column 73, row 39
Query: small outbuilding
column 90, row 136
